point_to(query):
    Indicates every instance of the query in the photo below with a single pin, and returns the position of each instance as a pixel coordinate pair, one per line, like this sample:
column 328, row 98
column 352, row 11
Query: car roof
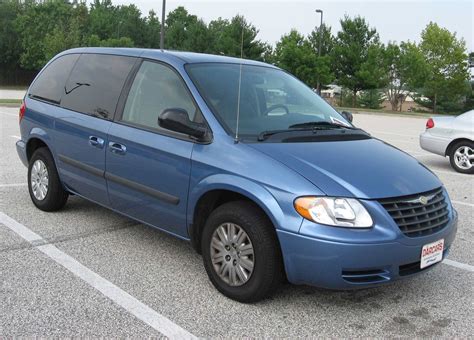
column 178, row 56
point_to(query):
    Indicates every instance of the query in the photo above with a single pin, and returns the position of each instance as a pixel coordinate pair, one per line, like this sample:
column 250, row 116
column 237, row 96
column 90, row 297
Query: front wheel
column 241, row 253
column 462, row 157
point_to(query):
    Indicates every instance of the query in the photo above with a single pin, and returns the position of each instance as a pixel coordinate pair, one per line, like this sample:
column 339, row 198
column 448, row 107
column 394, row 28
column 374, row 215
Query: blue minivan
column 265, row 179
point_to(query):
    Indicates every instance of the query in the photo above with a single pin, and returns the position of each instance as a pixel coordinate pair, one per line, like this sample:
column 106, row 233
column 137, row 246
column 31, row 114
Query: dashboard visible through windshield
column 271, row 100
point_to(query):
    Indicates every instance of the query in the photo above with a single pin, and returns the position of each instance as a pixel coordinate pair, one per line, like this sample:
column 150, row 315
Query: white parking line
column 114, row 293
column 459, row 265
column 463, row 203
column 16, row 137
column 11, row 185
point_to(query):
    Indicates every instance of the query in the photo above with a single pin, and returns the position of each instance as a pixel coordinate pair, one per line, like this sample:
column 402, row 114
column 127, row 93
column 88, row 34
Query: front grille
column 415, row 218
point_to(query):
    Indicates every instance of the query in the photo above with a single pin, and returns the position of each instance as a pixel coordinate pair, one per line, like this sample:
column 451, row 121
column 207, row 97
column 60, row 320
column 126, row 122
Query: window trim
column 164, row 132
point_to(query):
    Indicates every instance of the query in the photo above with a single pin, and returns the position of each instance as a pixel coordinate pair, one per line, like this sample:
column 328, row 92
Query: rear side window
column 50, row 83
column 95, row 84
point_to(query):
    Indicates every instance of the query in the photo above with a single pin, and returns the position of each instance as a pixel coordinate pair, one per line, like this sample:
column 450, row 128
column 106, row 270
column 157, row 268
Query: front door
column 148, row 167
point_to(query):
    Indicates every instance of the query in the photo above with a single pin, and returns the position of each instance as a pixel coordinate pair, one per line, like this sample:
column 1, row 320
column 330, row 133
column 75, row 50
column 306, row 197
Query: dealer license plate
column 431, row 253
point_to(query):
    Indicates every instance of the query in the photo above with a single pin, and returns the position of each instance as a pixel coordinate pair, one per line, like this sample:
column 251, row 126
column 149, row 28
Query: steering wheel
column 276, row 106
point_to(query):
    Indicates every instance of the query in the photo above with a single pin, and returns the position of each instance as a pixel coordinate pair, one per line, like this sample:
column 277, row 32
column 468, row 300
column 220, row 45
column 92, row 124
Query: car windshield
column 270, row 99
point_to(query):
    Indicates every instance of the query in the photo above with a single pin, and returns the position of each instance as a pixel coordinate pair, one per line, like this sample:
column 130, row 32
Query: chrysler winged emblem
column 423, row 200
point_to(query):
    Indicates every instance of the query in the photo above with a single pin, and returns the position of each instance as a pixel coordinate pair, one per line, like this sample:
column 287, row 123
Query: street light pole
column 319, row 47
column 162, row 33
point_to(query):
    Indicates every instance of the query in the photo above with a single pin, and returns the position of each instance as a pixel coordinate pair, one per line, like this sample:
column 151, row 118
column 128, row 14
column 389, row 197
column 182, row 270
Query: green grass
column 13, row 87
column 10, row 102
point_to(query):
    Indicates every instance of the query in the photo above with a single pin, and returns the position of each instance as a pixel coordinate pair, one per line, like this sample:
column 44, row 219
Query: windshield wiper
column 322, row 126
column 308, row 126
column 265, row 134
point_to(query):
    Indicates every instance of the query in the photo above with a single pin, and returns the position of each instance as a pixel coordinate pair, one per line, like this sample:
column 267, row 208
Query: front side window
column 95, row 84
column 156, row 88
column 50, row 83
column 270, row 99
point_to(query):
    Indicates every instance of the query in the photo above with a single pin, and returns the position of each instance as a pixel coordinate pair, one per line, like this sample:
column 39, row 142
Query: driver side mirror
column 347, row 115
column 177, row 120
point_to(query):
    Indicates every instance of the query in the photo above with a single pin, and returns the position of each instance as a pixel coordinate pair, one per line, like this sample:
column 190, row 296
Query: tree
column 371, row 99
column 102, row 19
column 295, row 54
column 10, row 50
column 356, row 56
column 406, row 70
column 185, row 32
column 226, row 38
column 47, row 28
column 327, row 42
column 446, row 83
column 152, row 30
column 113, row 22
column 324, row 64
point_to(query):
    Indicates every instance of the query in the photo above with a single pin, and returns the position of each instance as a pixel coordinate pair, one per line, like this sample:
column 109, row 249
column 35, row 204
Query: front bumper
column 337, row 265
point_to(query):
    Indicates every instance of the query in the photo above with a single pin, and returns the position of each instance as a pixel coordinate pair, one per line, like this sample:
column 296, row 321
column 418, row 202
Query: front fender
column 252, row 190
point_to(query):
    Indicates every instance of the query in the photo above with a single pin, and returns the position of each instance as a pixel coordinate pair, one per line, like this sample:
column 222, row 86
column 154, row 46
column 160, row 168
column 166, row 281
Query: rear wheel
column 241, row 253
column 45, row 189
column 462, row 157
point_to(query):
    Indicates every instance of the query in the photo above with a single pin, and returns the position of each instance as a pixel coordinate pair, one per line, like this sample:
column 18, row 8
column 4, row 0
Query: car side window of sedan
column 156, row 88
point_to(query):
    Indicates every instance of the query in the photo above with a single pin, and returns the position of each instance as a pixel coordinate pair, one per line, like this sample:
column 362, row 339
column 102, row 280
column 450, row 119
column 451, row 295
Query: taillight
column 430, row 123
column 21, row 114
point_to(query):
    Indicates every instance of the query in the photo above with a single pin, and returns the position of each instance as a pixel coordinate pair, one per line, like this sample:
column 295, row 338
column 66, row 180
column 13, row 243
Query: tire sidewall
column 54, row 186
column 245, row 292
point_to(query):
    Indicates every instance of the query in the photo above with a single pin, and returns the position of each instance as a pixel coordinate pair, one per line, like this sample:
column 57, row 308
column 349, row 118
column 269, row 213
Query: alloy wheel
column 464, row 157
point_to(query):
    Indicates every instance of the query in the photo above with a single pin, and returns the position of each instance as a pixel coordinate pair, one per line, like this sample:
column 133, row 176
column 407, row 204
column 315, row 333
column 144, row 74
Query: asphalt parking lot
column 90, row 272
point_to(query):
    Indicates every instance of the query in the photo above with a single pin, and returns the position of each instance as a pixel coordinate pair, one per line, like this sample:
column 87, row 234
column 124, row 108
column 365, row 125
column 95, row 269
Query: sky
column 394, row 20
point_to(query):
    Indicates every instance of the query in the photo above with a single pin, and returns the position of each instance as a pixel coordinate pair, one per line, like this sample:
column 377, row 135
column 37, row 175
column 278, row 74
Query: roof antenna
column 236, row 139
column 162, row 30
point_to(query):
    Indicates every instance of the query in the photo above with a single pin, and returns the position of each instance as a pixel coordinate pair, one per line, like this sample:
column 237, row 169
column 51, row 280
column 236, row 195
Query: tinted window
column 95, row 84
column 156, row 88
column 50, row 83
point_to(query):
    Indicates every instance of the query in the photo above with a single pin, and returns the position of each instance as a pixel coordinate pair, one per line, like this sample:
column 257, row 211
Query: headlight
column 334, row 211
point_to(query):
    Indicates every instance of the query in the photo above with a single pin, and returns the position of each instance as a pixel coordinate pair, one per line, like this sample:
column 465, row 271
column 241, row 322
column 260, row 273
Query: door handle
column 96, row 141
column 117, row 148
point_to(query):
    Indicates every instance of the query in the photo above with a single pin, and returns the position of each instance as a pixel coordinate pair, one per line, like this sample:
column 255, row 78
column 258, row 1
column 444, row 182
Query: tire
column 267, row 271
column 457, row 152
column 55, row 197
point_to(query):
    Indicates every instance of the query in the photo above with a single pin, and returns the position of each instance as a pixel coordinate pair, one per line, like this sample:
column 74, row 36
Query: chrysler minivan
column 265, row 179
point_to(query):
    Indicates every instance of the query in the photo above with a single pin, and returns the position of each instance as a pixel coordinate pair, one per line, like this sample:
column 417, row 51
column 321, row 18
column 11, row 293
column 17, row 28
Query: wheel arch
column 36, row 139
column 454, row 142
column 219, row 189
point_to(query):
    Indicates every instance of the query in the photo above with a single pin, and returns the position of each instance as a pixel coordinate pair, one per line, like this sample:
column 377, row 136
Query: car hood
column 366, row 168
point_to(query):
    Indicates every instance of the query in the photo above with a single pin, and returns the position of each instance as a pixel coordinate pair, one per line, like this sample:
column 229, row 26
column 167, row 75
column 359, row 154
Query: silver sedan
column 452, row 137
